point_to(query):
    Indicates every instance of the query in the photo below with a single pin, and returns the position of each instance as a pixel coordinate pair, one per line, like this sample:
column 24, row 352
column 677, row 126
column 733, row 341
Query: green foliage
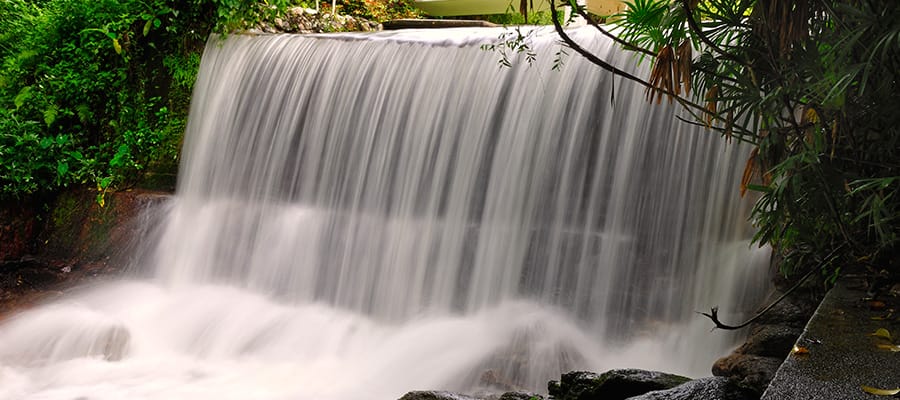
column 378, row 10
column 96, row 91
column 512, row 43
column 516, row 18
column 813, row 85
column 232, row 15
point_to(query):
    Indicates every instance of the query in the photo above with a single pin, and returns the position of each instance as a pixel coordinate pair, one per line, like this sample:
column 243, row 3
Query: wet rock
column 770, row 341
column 492, row 379
column 748, row 371
column 753, row 364
column 415, row 23
column 520, row 396
column 611, row 385
column 793, row 311
column 113, row 344
column 17, row 229
column 435, row 395
column 712, row 388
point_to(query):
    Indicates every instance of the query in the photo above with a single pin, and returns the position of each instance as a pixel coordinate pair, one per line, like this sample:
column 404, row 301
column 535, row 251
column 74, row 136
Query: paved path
column 843, row 355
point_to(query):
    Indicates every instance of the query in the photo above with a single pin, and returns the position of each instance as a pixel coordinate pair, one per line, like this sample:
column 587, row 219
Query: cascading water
column 359, row 216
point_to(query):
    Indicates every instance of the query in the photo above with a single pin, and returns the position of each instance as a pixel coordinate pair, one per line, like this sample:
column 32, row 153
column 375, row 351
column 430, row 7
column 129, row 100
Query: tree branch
column 627, row 45
column 633, row 47
column 740, row 138
column 554, row 15
column 713, row 313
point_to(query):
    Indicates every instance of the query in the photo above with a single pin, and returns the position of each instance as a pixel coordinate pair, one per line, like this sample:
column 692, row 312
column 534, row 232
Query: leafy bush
column 95, row 91
column 378, row 10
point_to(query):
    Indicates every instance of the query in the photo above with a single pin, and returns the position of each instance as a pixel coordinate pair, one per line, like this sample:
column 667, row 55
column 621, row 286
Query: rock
column 113, row 344
column 492, row 379
column 793, row 311
column 435, row 23
column 17, row 229
column 748, row 371
column 770, row 341
column 611, row 385
column 520, row 396
column 712, row 388
column 435, row 395
column 753, row 364
column 305, row 20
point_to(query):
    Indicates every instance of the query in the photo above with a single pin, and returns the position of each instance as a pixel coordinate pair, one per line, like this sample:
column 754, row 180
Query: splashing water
column 358, row 216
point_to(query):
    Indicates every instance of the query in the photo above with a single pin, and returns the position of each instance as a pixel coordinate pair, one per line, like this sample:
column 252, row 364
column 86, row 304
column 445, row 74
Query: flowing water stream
column 358, row 216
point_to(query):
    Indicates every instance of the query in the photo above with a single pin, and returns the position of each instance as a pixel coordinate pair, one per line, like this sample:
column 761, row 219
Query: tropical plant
column 812, row 85
column 96, row 91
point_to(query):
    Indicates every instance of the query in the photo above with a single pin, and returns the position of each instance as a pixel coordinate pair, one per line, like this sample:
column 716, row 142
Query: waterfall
column 358, row 216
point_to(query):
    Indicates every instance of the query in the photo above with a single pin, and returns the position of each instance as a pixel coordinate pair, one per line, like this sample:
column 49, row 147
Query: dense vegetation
column 96, row 92
column 812, row 85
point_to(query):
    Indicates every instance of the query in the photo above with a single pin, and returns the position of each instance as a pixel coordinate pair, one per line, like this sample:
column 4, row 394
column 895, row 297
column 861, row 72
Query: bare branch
column 713, row 313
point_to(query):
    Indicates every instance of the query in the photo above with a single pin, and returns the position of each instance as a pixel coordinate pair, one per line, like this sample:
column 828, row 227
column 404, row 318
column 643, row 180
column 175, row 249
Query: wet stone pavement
column 844, row 348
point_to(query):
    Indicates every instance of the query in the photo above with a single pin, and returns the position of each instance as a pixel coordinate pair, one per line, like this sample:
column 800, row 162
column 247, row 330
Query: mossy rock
column 617, row 384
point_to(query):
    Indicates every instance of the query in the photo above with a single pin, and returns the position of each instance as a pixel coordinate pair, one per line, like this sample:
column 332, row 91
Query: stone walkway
column 837, row 354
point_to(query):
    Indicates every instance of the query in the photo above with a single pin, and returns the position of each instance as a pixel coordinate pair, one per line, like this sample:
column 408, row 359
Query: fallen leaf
column 799, row 350
column 884, row 317
column 891, row 347
column 882, row 333
column 880, row 392
column 876, row 305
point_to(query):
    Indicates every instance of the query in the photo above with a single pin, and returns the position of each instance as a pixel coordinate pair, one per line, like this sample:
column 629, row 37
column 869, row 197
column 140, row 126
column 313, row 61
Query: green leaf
column 121, row 157
column 759, row 188
column 23, row 96
column 84, row 112
column 50, row 115
column 105, row 182
column 62, row 168
column 147, row 27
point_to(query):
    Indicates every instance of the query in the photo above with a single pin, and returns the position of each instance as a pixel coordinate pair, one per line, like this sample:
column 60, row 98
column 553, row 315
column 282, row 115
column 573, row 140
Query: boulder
column 770, row 341
column 748, row 371
column 611, row 385
column 435, row 395
column 712, row 388
column 793, row 311
column 520, row 396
